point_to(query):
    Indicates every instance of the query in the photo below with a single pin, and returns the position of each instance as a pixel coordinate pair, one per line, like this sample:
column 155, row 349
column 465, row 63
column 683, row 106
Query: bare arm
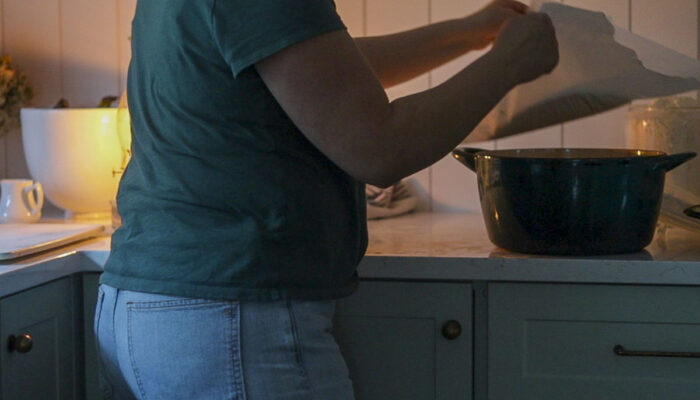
column 330, row 92
column 399, row 57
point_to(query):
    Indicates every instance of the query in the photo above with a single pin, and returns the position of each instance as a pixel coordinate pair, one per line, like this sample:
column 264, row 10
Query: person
column 255, row 126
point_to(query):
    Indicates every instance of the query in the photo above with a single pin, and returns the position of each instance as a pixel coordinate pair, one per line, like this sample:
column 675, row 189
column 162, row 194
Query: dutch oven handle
column 670, row 162
column 466, row 155
column 693, row 211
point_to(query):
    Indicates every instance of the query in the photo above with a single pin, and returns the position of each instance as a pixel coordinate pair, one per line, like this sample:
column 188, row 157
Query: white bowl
column 74, row 153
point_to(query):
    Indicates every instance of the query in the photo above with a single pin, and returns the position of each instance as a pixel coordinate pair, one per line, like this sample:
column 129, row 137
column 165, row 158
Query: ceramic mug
column 20, row 200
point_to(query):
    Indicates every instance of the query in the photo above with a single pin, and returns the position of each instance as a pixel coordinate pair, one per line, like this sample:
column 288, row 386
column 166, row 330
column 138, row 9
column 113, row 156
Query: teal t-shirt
column 224, row 197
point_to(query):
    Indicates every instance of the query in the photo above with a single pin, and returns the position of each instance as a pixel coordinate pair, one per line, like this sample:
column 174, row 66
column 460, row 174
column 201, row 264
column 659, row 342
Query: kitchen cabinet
column 416, row 340
column 92, row 376
column 37, row 329
column 558, row 341
column 407, row 340
column 531, row 327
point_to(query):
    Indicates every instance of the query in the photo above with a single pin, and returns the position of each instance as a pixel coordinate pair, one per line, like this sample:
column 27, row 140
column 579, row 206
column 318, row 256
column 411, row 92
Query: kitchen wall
column 79, row 50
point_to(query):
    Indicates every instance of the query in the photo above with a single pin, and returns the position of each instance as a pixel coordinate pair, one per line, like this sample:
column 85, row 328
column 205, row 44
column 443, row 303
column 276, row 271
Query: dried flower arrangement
column 14, row 94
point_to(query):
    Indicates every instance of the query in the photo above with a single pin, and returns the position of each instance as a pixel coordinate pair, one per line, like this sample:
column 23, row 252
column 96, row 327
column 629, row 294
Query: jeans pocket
column 185, row 349
column 98, row 309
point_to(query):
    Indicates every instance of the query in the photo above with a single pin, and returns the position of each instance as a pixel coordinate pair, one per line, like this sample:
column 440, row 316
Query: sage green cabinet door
column 92, row 386
column 556, row 341
column 46, row 371
column 391, row 336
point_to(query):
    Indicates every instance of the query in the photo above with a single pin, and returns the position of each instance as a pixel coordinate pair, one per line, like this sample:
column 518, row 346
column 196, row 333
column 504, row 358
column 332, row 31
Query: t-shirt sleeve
column 248, row 31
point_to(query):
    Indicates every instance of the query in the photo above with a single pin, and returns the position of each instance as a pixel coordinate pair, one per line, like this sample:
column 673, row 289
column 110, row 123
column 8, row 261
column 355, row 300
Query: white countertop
column 456, row 247
column 464, row 236
column 430, row 246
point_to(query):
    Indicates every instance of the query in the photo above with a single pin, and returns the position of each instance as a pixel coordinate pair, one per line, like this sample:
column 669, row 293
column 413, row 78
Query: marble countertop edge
column 430, row 247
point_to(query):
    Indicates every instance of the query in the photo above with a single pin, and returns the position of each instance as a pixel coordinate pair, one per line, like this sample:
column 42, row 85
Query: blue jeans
column 164, row 347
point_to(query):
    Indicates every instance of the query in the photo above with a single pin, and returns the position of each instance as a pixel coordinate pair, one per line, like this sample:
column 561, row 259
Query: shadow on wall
column 81, row 82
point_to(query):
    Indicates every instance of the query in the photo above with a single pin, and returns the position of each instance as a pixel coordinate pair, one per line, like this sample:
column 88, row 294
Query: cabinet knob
column 21, row 343
column 451, row 329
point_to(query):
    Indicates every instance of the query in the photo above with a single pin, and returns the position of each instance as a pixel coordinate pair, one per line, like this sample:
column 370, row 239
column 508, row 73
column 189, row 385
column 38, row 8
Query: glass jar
column 672, row 126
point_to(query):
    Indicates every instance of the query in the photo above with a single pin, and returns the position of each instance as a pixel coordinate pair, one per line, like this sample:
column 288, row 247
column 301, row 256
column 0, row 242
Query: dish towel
column 394, row 200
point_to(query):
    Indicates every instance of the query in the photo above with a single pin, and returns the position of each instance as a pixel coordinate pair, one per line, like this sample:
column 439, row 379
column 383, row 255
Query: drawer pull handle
column 451, row 330
column 621, row 351
column 21, row 343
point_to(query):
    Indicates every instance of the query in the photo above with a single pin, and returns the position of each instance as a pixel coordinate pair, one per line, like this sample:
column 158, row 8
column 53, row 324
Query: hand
column 527, row 46
column 489, row 20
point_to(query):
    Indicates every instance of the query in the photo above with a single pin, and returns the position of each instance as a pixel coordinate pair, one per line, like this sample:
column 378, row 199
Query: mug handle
column 39, row 203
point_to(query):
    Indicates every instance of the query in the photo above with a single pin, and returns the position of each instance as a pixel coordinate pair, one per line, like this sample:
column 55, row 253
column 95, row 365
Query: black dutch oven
column 570, row 201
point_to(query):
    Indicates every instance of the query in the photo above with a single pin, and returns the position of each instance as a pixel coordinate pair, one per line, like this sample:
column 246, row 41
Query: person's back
column 223, row 193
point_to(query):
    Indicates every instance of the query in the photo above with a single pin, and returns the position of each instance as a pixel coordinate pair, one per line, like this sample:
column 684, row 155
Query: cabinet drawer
column 556, row 341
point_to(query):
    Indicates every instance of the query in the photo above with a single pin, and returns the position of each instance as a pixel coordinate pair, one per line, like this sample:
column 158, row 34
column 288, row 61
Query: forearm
column 332, row 95
column 423, row 127
column 329, row 92
column 399, row 57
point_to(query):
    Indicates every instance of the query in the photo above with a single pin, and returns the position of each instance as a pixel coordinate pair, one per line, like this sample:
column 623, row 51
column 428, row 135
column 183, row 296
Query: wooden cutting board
column 18, row 240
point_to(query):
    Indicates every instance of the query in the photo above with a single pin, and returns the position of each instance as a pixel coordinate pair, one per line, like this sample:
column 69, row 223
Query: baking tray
column 19, row 240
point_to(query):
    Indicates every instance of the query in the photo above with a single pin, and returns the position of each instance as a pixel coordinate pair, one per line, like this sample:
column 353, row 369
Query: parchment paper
column 601, row 66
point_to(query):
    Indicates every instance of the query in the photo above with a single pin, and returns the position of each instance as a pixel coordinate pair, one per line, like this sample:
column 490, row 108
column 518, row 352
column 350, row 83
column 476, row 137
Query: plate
column 672, row 212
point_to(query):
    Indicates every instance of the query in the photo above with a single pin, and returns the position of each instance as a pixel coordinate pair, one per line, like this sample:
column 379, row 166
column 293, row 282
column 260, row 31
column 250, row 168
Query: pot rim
column 573, row 154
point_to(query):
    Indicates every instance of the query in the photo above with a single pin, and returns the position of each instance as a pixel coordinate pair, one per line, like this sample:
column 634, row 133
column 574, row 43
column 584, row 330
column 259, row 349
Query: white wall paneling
column 671, row 23
column 674, row 26
column 32, row 36
column 539, row 138
column 90, row 62
column 603, row 130
column 616, row 10
column 389, row 16
column 125, row 13
column 353, row 14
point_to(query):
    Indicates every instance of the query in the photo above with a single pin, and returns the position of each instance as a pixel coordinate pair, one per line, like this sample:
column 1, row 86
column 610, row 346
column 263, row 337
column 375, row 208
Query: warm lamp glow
column 124, row 131
column 73, row 152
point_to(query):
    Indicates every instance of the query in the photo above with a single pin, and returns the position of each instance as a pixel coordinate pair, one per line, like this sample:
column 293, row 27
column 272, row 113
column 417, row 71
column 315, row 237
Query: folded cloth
column 394, row 200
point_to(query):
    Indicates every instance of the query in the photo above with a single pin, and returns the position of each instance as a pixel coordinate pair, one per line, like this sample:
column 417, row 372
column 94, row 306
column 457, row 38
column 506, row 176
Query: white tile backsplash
column 389, row 16
column 353, row 12
column 539, row 138
column 90, row 62
column 79, row 49
column 603, row 130
column 616, row 10
column 125, row 13
column 32, row 36
column 454, row 187
column 37, row 52
column 672, row 23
